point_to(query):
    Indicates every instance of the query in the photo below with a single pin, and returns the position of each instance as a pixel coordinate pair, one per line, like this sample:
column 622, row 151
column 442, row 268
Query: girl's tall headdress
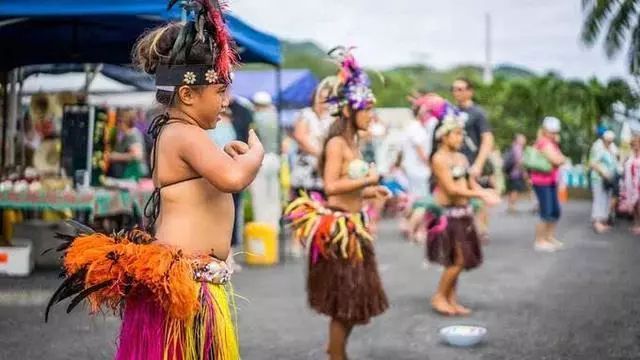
column 352, row 86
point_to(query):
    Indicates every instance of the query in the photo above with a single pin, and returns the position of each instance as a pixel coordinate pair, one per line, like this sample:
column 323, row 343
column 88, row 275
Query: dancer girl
column 343, row 281
column 170, row 282
column 452, row 238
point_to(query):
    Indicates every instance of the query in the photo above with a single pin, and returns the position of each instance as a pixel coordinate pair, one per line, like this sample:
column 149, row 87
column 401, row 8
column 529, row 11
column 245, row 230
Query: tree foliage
column 618, row 22
column 516, row 101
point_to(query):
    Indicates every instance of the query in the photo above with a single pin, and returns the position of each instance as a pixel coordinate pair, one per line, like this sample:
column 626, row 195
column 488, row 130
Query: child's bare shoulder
column 179, row 133
column 336, row 142
column 438, row 157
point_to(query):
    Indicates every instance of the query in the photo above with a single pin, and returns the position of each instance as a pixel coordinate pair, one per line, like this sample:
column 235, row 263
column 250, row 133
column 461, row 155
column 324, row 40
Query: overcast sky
column 539, row 34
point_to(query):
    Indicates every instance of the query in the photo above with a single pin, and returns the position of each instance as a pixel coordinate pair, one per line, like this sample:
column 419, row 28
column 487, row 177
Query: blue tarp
column 297, row 86
column 100, row 31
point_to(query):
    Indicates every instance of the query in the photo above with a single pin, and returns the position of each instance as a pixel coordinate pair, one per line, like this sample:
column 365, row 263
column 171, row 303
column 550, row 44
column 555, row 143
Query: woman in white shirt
column 310, row 130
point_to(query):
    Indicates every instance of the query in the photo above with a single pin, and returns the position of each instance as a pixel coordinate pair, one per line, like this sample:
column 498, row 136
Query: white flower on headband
column 189, row 78
column 449, row 123
column 211, row 76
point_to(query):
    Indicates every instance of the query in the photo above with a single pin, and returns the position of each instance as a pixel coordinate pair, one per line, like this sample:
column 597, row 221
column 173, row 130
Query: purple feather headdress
column 353, row 88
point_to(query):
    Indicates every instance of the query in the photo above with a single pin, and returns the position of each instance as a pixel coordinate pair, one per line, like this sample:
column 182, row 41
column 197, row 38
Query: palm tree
column 621, row 19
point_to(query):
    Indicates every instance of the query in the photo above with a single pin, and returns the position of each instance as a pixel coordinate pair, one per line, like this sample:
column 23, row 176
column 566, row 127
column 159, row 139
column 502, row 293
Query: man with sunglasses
column 478, row 144
column 478, row 141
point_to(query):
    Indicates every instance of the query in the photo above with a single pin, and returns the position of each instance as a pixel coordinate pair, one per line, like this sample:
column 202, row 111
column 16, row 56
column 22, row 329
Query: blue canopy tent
column 296, row 88
column 98, row 31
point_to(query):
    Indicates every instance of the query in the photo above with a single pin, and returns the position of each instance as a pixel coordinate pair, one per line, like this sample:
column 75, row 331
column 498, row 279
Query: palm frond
column 620, row 27
column 633, row 56
column 597, row 14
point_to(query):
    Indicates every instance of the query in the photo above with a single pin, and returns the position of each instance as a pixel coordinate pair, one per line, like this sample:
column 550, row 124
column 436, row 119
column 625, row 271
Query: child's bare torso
column 351, row 201
column 194, row 215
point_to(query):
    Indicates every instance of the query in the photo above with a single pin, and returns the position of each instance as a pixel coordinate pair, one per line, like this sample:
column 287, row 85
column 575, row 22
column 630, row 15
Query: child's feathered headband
column 432, row 106
column 207, row 26
column 429, row 106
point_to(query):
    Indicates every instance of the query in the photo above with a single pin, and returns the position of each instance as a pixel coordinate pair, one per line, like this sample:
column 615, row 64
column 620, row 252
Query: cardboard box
column 17, row 260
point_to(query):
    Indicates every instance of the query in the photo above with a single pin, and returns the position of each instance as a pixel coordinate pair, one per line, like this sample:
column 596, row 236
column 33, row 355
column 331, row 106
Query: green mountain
column 512, row 71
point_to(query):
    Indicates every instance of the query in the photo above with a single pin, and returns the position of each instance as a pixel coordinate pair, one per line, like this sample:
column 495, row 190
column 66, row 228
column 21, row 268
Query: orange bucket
column 563, row 194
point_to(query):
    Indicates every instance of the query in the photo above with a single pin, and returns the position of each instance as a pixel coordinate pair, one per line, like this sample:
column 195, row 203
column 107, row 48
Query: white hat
column 609, row 135
column 262, row 98
column 551, row 124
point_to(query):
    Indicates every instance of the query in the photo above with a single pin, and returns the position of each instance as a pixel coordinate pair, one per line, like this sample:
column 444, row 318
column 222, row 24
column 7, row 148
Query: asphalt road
column 580, row 303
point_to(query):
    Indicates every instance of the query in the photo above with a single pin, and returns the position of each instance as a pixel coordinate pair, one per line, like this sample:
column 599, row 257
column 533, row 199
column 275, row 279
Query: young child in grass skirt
column 172, row 287
column 452, row 237
column 175, row 306
column 343, row 281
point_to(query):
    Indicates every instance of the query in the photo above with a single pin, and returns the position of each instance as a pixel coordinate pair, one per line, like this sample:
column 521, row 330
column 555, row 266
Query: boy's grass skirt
column 174, row 306
column 343, row 280
column 148, row 332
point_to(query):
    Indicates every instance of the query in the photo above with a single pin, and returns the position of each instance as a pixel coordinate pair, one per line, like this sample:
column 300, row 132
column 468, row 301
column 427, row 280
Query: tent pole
column 12, row 106
column 281, row 234
column 23, row 132
column 279, row 100
column 5, row 116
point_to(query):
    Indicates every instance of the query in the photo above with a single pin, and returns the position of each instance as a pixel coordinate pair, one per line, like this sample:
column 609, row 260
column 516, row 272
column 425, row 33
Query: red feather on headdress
column 226, row 56
column 211, row 13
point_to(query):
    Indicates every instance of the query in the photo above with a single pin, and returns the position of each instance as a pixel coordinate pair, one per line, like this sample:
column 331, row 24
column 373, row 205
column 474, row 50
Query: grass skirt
column 460, row 231
column 149, row 333
column 343, row 280
column 346, row 291
column 175, row 306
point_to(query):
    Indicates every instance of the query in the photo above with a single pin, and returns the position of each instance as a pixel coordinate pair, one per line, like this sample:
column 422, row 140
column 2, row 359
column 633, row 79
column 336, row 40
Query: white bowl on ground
column 463, row 335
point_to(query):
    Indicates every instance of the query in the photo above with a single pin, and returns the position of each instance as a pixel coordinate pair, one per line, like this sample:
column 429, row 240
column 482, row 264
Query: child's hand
column 373, row 177
column 491, row 198
column 254, row 143
column 236, row 148
column 383, row 193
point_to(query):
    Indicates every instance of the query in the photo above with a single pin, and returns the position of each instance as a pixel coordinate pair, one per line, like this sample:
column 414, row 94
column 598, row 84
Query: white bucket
column 17, row 260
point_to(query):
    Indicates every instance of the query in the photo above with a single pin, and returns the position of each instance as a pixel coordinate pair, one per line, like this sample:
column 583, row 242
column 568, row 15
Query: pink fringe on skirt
column 142, row 332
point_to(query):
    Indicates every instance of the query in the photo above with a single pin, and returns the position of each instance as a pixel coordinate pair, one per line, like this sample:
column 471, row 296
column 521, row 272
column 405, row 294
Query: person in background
column 241, row 119
column 478, row 141
column 545, row 185
column 310, row 129
column 415, row 162
column 514, row 171
column 265, row 189
column 603, row 165
column 127, row 158
column 224, row 132
column 631, row 185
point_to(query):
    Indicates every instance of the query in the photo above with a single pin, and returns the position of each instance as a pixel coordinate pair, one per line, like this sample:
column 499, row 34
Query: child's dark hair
column 434, row 142
column 467, row 81
column 399, row 158
column 154, row 47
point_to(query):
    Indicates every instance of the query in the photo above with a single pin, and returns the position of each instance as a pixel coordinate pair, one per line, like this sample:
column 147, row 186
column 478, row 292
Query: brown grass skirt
column 346, row 291
column 460, row 231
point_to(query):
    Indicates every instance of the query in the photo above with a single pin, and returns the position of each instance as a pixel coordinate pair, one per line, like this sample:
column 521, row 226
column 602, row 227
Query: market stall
column 94, row 34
